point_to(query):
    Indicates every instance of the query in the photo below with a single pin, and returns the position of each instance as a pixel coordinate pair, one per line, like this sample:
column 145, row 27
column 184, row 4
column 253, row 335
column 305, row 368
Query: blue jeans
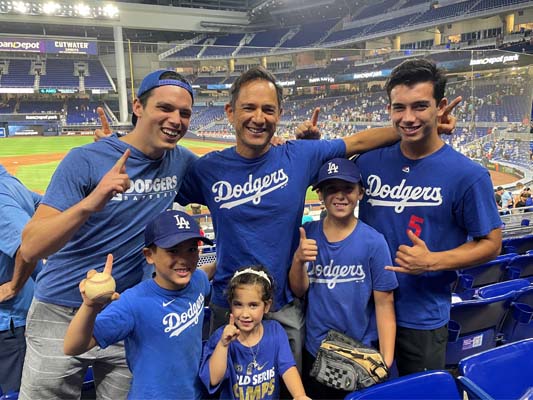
column 12, row 351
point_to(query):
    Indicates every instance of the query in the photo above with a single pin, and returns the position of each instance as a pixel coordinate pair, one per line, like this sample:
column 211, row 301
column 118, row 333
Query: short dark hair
column 253, row 74
column 415, row 71
column 143, row 98
column 249, row 278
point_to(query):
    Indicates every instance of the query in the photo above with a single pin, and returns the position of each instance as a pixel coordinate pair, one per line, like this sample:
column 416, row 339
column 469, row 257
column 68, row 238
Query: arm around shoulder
column 370, row 139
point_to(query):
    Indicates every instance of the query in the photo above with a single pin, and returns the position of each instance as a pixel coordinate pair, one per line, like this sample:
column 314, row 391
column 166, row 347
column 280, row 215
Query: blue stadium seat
column 518, row 323
column 518, row 245
column 433, row 385
column 501, row 373
column 206, row 323
column 485, row 274
column 521, row 267
column 10, row 396
column 501, row 288
column 88, row 381
column 474, row 326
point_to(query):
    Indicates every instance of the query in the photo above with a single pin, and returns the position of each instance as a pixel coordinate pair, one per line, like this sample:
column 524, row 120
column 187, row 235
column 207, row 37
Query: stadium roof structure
column 222, row 16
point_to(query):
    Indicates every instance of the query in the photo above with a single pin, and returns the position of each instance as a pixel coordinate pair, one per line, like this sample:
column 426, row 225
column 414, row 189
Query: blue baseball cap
column 338, row 168
column 170, row 228
column 152, row 80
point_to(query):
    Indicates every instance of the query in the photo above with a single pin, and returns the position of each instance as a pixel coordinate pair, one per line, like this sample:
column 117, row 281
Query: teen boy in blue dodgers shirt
column 257, row 192
column 159, row 319
column 97, row 205
column 17, row 205
column 340, row 264
column 426, row 199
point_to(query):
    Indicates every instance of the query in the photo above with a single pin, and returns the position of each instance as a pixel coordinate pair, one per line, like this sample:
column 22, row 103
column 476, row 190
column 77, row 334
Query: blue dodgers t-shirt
column 119, row 227
column 343, row 279
column 443, row 198
column 17, row 205
column 245, row 379
column 162, row 330
column 256, row 206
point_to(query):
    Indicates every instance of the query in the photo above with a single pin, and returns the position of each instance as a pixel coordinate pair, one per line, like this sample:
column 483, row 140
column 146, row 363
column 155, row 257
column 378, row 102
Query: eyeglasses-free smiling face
column 255, row 117
column 164, row 119
column 174, row 266
column 248, row 308
column 340, row 197
column 414, row 112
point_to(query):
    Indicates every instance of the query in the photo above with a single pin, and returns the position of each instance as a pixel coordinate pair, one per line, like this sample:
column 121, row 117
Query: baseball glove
column 344, row 363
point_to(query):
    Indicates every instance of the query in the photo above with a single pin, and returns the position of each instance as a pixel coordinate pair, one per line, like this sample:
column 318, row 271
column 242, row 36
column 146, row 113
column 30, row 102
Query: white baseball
column 100, row 287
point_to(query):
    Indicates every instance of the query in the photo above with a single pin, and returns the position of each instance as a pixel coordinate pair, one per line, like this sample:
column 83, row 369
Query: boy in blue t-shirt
column 340, row 264
column 159, row 319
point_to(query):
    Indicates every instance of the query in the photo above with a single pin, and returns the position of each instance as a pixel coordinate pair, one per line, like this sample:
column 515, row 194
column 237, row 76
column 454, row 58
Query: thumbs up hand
column 307, row 250
column 309, row 129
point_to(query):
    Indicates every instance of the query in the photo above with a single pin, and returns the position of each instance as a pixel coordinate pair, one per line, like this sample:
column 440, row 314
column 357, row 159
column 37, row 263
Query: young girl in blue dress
column 247, row 357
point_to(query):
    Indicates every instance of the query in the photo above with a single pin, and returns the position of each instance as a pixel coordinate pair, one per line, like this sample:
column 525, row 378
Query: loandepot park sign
column 495, row 60
column 63, row 46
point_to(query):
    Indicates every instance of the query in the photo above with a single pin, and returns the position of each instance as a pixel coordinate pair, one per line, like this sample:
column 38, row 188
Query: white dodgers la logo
column 402, row 195
column 176, row 322
column 252, row 190
column 181, row 222
column 332, row 168
column 331, row 274
column 148, row 189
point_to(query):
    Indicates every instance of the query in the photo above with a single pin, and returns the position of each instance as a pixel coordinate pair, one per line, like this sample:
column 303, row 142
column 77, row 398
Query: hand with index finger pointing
column 105, row 130
column 115, row 181
column 447, row 121
column 230, row 333
column 108, row 268
column 314, row 116
column 309, row 129
column 102, row 300
column 120, row 165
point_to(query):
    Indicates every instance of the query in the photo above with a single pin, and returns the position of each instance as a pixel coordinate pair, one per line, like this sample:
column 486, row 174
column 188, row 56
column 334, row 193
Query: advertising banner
column 63, row 46
column 71, row 47
column 21, row 44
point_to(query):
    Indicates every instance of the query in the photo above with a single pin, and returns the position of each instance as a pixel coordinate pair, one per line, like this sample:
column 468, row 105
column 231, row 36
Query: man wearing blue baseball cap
column 98, row 202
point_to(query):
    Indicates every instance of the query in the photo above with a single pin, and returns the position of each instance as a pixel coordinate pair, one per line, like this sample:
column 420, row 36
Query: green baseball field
column 34, row 159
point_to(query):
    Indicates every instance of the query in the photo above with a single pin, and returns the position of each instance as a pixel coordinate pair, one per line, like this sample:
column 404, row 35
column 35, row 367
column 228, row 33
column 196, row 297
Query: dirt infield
column 500, row 178
column 11, row 164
